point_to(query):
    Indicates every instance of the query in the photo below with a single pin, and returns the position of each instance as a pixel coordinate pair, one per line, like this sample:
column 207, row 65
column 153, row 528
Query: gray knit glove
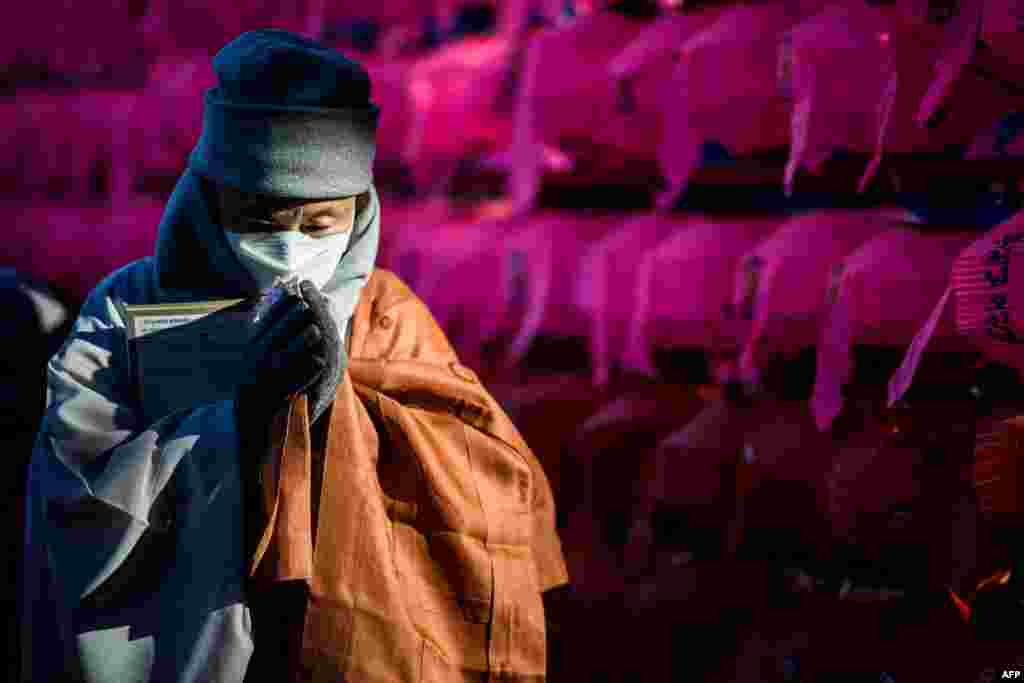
column 331, row 352
column 290, row 352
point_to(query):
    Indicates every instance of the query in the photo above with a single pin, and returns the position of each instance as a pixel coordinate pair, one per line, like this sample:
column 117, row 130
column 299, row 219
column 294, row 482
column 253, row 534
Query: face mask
column 287, row 253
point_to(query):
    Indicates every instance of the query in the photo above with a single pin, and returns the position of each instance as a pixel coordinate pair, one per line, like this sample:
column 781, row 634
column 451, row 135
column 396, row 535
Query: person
column 35, row 321
column 358, row 508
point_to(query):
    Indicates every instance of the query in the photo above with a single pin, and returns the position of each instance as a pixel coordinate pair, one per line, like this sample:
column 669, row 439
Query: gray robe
column 133, row 567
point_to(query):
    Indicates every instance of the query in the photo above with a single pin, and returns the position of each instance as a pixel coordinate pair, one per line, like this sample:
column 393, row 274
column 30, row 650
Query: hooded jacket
column 425, row 544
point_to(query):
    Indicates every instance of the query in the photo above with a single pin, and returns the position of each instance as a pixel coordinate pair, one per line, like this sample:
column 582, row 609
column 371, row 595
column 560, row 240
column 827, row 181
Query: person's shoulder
column 391, row 322
column 131, row 284
column 386, row 290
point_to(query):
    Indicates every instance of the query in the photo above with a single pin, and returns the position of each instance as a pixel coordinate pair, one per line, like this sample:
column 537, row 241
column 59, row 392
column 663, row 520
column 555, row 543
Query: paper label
column 145, row 320
column 904, row 375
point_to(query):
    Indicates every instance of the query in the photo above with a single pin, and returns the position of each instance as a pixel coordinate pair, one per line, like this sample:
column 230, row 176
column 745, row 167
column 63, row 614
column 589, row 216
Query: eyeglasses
column 243, row 211
column 253, row 217
column 289, row 219
column 249, row 224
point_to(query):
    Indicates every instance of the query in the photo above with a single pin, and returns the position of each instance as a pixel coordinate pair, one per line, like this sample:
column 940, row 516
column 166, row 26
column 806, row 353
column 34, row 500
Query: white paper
column 144, row 320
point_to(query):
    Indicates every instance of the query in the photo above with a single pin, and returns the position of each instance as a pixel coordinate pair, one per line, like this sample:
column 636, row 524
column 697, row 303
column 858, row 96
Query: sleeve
column 96, row 479
column 546, row 546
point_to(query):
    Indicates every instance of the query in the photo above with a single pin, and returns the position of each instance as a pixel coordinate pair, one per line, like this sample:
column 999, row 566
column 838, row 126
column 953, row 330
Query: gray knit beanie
column 290, row 117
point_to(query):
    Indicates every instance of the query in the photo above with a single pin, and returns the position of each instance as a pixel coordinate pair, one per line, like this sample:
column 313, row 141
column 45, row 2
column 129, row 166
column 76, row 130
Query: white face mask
column 287, row 253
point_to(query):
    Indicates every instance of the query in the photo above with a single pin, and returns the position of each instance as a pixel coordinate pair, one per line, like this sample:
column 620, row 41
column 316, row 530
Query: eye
column 288, row 216
column 320, row 230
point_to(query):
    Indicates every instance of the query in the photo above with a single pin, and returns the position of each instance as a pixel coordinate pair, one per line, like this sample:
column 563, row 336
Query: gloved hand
column 291, row 350
column 321, row 392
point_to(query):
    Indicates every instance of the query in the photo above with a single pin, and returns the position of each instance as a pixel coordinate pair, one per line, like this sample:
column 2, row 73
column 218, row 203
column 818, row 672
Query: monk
column 357, row 508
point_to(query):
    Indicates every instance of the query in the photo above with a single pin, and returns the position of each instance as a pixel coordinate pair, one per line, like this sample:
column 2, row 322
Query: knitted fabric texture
column 289, row 117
